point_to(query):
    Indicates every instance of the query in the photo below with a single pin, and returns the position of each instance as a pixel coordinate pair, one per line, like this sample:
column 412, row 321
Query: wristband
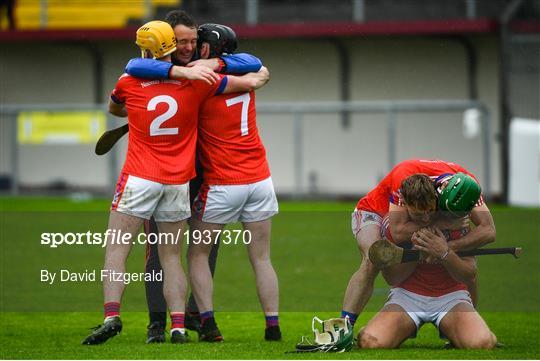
column 443, row 257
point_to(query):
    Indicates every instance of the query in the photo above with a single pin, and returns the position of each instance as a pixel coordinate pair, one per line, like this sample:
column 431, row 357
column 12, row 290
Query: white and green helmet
column 336, row 336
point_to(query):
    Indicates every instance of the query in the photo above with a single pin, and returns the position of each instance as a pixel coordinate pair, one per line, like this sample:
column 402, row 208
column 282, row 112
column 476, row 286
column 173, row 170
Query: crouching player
column 435, row 292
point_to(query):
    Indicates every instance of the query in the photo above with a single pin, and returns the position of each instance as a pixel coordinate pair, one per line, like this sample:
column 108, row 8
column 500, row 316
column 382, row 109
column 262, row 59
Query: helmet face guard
column 157, row 37
column 221, row 39
column 336, row 336
column 460, row 195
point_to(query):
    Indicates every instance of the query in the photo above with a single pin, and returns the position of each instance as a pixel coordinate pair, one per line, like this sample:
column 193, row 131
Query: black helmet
column 221, row 38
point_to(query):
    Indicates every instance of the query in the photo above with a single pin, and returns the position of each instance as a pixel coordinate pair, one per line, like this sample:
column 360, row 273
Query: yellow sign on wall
column 69, row 127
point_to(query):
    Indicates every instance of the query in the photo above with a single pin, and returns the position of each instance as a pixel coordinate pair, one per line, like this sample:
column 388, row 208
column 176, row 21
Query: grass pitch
column 314, row 255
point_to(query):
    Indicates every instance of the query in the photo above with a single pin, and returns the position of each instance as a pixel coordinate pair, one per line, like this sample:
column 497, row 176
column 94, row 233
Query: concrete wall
column 525, row 69
column 341, row 160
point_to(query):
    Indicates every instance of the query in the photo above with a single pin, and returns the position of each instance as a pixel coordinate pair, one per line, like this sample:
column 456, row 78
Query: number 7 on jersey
column 244, row 99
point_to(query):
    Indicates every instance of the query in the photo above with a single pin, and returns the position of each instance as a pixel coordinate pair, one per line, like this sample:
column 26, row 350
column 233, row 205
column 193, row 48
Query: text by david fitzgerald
column 107, row 275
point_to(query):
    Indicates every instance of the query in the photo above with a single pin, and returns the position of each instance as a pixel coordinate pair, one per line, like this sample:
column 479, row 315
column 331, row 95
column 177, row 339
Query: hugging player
column 160, row 161
column 236, row 185
column 186, row 31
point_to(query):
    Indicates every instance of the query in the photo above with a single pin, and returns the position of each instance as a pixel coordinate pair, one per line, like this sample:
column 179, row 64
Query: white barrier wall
column 336, row 159
column 524, row 162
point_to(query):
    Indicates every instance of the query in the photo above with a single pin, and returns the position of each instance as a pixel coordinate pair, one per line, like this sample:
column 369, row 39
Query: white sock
column 108, row 318
column 182, row 330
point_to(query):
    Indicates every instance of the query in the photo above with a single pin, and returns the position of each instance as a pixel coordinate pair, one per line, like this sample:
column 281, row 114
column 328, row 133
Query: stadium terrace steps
column 72, row 14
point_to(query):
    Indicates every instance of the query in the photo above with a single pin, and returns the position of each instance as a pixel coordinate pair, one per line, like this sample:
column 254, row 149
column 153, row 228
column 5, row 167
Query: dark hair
column 419, row 192
column 180, row 17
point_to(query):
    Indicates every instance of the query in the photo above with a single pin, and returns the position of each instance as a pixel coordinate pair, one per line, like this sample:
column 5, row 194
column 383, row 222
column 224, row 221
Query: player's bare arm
column 482, row 234
column 432, row 241
column 248, row 82
column 401, row 225
column 117, row 109
column 212, row 63
column 194, row 73
column 450, row 222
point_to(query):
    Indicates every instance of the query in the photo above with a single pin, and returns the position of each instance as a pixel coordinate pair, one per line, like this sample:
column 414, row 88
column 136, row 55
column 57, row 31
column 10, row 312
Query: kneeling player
column 431, row 297
column 437, row 292
column 368, row 221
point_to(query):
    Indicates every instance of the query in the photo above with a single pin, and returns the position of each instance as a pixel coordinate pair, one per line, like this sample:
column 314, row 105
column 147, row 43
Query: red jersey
column 433, row 280
column 428, row 279
column 229, row 146
column 387, row 191
column 163, row 118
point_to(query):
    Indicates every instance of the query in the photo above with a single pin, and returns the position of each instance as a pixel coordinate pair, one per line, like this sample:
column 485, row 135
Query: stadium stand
column 85, row 13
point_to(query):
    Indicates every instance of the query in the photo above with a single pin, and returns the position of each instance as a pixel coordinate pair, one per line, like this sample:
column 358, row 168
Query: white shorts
column 145, row 198
column 425, row 309
column 361, row 219
column 224, row 204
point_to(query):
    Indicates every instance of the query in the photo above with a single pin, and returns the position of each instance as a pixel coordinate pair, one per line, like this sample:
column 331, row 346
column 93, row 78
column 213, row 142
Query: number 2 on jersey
column 155, row 128
column 244, row 99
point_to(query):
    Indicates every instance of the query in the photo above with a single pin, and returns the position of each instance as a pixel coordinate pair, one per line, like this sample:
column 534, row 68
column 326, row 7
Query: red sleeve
column 397, row 176
column 205, row 90
column 118, row 94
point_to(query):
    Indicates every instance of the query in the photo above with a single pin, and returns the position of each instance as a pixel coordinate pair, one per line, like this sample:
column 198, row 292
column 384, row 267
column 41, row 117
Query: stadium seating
column 72, row 14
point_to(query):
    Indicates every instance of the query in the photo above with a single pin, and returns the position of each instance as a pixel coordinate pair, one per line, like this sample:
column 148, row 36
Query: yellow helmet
column 157, row 37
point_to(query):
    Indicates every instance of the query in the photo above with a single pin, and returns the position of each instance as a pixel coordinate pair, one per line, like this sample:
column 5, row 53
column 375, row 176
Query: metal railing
column 390, row 108
column 251, row 9
column 297, row 111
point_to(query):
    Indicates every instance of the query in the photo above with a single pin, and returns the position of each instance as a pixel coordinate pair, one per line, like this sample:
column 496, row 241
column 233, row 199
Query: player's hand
column 195, row 73
column 431, row 241
column 415, row 239
column 208, row 63
column 431, row 260
column 263, row 75
column 424, row 256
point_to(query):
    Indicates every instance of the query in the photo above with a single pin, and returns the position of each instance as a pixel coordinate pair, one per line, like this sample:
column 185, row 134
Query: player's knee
column 482, row 343
column 493, row 340
column 197, row 254
column 167, row 257
column 485, row 340
column 366, row 339
column 259, row 255
column 260, row 260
